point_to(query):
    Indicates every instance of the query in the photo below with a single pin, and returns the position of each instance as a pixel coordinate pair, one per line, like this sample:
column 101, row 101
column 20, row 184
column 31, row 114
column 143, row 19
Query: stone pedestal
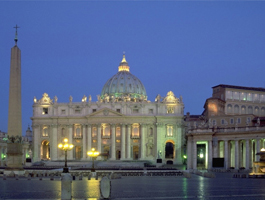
column 14, row 157
column 66, row 186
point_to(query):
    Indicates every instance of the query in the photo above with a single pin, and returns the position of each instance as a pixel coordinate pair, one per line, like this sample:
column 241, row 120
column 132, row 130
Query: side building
column 122, row 124
column 230, row 131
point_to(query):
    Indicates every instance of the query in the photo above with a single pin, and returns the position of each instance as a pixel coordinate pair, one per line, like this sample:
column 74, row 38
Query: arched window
column 256, row 110
column 229, row 108
column 250, row 110
column 45, row 132
column 262, row 113
column 243, row 109
column 236, row 109
column 169, row 131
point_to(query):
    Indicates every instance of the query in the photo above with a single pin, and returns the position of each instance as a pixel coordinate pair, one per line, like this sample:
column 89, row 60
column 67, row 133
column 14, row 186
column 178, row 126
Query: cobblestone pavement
column 140, row 188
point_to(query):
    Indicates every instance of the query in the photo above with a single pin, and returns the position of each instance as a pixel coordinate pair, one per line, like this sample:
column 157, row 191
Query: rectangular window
column 243, row 96
column 45, row 111
column 238, row 120
column 248, row 120
column 255, row 97
column 249, row 97
column 222, row 121
column 118, row 132
column 135, row 110
column 94, row 110
column 63, row 112
column 214, row 122
column 118, row 141
column 135, row 141
column 231, row 121
column 77, row 111
column 118, row 110
column 151, row 111
column 94, row 133
column 94, row 141
column 229, row 94
column 236, row 95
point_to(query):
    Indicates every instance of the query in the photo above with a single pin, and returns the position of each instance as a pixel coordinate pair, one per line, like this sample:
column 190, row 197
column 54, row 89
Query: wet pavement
column 142, row 187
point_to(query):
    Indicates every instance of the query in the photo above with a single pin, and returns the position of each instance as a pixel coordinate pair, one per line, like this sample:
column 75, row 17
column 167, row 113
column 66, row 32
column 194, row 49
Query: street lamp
column 94, row 154
column 65, row 147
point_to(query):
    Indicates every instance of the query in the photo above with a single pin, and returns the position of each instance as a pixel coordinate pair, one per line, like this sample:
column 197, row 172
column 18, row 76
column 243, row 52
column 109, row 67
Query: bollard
column 66, row 186
column 105, row 188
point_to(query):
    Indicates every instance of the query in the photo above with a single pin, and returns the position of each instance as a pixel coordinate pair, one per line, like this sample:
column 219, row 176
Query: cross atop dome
column 16, row 27
column 124, row 65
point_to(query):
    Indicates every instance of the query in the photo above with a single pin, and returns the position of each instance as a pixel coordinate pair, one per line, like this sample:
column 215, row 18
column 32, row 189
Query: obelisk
column 14, row 145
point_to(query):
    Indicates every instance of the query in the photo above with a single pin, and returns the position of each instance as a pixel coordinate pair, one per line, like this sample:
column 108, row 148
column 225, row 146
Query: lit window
column 118, row 132
column 45, row 132
column 169, row 131
column 118, row 141
column 94, row 141
column 135, row 131
column 77, row 131
column 44, row 111
column 106, row 131
column 94, row 133
column 135, row 141
column 229, row 108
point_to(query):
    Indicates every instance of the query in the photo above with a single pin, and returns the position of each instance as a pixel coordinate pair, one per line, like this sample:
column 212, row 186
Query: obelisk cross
column 16, row 27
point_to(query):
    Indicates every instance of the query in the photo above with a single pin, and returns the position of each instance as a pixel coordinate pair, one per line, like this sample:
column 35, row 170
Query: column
column 210, row 155
column 123, row 141
column 84, row 141
column 70, row 141
column 36, row 148
column 89, row 140
column 257, row 149
column 54, row 148
column 236, row 155
column 143, row 128
column 129, row 141
column 113, row 142
column 247, row 154
column 215, row 148
column 194, row 154
column 99, row 140
column 226, row 155
column 189, row 153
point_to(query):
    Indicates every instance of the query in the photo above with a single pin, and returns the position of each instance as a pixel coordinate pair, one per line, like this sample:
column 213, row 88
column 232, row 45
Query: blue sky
column 74, row 47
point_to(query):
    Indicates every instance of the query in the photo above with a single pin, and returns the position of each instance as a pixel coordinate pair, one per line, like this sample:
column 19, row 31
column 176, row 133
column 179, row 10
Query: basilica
column 122, row 124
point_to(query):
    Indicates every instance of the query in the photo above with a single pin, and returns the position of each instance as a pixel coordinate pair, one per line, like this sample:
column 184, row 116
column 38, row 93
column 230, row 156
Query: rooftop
column 240, row 87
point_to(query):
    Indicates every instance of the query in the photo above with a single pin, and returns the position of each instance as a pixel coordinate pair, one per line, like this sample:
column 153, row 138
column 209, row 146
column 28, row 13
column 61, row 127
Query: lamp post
column 94, row 154
column 65, row 147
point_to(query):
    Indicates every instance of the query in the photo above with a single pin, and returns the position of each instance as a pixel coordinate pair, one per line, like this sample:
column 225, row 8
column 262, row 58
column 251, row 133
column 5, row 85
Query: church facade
column 122, row 124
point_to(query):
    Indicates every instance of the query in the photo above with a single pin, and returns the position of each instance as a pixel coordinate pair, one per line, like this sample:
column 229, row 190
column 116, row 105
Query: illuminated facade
column 122, row 124
column 230, row 131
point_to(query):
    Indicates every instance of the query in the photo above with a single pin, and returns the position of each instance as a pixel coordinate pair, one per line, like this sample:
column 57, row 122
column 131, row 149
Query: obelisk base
column 14, row 159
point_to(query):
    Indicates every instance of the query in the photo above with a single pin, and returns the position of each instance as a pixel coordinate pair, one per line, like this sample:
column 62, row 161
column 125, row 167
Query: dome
column 124, row 85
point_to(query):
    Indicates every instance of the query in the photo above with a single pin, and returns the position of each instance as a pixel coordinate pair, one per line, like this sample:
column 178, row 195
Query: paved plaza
column 143, row 187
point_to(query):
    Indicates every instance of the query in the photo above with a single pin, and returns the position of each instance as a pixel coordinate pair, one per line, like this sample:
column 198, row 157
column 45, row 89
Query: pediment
column 105, row 112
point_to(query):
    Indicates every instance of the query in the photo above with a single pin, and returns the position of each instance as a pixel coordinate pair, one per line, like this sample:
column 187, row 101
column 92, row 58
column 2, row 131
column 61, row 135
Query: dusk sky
column 74, row 47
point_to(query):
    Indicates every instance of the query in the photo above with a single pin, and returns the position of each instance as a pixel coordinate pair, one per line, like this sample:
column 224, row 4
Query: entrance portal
column 169, row 150
column 135, row 152
column 78, row 152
